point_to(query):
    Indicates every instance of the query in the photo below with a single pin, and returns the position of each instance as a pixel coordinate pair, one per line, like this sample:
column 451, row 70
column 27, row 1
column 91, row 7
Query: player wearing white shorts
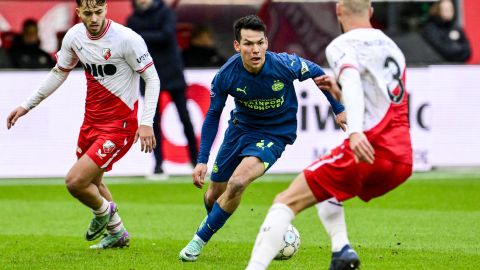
column 113, row 57
column 377, row 156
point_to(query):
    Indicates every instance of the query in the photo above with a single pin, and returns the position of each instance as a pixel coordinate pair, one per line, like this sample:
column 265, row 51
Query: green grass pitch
column 426, row 223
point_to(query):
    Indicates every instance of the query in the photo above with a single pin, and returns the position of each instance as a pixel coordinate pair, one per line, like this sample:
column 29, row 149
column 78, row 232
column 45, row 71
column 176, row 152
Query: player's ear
column 236, row 46
column 77, row 10
column 370, row 12
column 106, row 8
column 337, row 9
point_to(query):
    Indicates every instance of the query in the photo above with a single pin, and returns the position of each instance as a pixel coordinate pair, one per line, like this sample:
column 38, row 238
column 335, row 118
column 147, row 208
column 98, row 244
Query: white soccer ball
column 291, row 244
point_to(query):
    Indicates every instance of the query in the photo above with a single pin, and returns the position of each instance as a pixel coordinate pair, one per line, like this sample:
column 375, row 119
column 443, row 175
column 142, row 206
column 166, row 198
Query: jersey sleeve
column 303, row 68
column 136, row 53
column 340, row 57
column 67, row 59
column 218, row 97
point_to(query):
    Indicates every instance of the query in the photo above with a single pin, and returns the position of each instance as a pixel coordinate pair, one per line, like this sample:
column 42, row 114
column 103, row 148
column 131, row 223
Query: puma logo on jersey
column 244, row 90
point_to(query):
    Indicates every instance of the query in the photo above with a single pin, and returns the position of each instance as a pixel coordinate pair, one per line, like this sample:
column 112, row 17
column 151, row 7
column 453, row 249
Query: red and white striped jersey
column 381, row 65
column 112, row 62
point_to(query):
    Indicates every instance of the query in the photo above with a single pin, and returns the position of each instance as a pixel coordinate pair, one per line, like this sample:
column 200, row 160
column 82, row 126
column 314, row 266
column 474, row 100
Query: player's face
column 252, row 48
column 93, row 17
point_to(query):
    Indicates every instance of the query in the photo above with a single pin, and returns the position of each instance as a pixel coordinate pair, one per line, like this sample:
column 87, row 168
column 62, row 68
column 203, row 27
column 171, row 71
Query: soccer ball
column 291, row 244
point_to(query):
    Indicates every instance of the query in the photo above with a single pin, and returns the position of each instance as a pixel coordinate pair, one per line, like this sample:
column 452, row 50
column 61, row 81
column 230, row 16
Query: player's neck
column 356, row 23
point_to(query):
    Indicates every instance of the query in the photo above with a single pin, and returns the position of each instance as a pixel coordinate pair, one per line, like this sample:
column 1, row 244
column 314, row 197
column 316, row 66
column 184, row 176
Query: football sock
column 115, row 224
column 270, row 237
column 103, row 210
column 215, row 220
column 332, row 215
column 207, row 207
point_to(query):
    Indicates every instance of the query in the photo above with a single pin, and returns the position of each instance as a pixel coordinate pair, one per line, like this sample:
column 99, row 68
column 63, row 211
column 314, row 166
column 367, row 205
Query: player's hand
column 147, row 138
column 328, row 83
column 199, row 174
column 341, row 120
column 361, row 147
column 14, row 115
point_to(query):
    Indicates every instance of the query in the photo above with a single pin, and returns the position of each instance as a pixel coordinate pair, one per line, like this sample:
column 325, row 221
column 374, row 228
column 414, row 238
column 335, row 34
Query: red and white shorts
column 338, row 175
column 106, row 144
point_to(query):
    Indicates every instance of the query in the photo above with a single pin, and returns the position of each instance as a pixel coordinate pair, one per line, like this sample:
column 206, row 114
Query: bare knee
column 212, row 195
column 235, row 188
column 74, row 184
column 291, row 201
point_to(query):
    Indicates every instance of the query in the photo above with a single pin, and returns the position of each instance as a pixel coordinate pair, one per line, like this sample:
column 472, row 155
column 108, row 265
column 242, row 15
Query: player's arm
column 152, row 90
column 305, row 70
column 52, row 82
column 353, row 99
column 209, row 131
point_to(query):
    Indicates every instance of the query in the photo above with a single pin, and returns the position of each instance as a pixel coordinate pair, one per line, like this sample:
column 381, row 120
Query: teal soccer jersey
column 265, row 103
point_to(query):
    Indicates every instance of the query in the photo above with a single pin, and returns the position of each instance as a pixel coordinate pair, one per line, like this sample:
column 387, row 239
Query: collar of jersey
column 100, row 35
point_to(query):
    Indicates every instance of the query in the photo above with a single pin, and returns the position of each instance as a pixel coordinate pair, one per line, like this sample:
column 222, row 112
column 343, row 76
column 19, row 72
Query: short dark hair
column 91, row 3
column 251, row 22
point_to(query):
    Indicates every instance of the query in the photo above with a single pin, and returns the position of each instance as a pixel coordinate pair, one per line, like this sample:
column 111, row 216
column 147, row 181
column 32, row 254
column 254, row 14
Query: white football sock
column 332, row 215
column 115, row 224
column 103, row 210
column 270, row 237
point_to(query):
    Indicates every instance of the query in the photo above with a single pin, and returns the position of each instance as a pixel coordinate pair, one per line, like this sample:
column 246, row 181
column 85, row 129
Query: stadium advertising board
column 442, row 108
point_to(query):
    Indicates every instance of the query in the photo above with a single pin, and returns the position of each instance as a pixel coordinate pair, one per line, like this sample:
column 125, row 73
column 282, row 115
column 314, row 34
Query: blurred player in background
column 377, row 156
column 263, row 122
column 114, row 57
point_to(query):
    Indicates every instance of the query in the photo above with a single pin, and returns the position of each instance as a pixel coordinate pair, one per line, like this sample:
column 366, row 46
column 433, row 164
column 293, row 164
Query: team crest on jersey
column 108, row 147
column 106, row 53
column 277, row 85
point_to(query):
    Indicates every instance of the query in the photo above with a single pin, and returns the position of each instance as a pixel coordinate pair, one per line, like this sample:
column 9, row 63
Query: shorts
column 106, row 144
column 338, row 175
column 238, row 144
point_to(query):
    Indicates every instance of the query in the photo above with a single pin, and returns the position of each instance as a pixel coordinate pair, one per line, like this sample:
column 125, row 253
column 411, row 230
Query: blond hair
column 356, row 6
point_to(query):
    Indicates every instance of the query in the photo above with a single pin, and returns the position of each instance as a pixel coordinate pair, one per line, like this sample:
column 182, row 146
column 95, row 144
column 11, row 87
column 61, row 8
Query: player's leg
column 79, row 182
column 258, row 156
column 332, row 216
column 248, row 170
column 115, row 224
column 180, row 100
column 104, row 191
column 336, row 175
column 287, row 204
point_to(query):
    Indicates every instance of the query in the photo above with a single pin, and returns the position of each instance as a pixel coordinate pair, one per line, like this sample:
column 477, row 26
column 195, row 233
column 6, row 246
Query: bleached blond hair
column 356, row 6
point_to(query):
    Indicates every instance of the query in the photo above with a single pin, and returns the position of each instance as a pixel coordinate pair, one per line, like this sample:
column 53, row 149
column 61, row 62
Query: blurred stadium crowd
column 429, row 32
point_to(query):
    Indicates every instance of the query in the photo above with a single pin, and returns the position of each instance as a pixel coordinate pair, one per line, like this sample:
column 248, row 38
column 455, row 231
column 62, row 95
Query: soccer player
column 263, row 122
column 114, row 57
column 377, row 156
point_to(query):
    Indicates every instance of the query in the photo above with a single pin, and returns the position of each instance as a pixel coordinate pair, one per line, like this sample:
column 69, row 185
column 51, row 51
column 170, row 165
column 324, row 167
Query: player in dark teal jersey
column 263, row 122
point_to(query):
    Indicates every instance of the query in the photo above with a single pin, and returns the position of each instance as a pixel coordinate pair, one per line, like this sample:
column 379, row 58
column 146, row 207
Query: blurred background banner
column 443, row 117
column 301, row 27
column 443, row 92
